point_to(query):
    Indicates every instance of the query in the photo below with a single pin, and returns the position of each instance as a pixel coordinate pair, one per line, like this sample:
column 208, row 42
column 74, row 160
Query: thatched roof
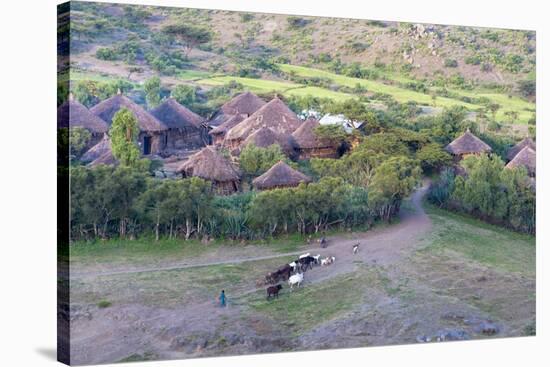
column 228, row 124
column 74, row 114
column 102, row 147
column 176, row 116
column 527, row 142
column 265, row 137
column 467, row 143
column 527, row 158
column 280, row 175
column 105, row 158
column 274, row 115
column 305, row 136
column 106, row 110
column 243, row 104
column 210, row 165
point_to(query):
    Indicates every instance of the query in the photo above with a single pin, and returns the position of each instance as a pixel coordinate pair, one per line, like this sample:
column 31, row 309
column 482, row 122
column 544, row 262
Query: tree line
column 489, row 192
column 125, row 202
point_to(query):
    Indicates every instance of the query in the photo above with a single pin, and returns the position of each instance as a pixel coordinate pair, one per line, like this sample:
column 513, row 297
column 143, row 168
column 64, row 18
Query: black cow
column 273, row 291
column 285, row 272
column 307, row 262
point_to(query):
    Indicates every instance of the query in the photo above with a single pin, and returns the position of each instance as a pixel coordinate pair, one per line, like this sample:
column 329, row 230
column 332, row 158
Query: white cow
column 293, row 265
column 295, row 279
column 316, row 257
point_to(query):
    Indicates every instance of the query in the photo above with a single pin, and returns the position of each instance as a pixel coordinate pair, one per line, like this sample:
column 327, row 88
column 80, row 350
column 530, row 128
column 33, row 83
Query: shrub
column 104, row 304
column 297, row 22
column 473, row 60
column 104, row 53
column 450, row 63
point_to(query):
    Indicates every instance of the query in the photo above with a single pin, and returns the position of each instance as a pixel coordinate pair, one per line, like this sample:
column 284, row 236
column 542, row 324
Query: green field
column 400, row 94
column 508, row 103
column 486, row 244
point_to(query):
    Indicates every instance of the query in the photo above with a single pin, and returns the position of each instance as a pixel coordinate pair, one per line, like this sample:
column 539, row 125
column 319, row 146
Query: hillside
column 432, row 65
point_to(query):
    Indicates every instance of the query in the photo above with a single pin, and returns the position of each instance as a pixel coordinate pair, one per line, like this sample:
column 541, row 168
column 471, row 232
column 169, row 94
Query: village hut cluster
column 206, row 149
column 522, row 154
column 210, row 149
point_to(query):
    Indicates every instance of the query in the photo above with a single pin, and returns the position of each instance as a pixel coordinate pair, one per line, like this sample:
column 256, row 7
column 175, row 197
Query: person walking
column 222, row 298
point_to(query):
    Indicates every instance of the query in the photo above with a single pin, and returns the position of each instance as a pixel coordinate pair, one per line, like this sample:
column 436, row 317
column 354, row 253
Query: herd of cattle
column 294, row 272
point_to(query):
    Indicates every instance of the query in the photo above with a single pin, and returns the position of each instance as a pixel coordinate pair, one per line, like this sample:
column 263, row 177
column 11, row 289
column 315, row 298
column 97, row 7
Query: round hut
column 74, row 114
column 212, row 166
column 106, row 158
column 152, row 132
column 218, row 133
column 185, row 130
column 527, row 158
column 275, row 115
column 278, row 176
column 467, row 144
column 309, row 145
column 244, row 104
column 101, row 148
column 527, row 142
column 265, row 137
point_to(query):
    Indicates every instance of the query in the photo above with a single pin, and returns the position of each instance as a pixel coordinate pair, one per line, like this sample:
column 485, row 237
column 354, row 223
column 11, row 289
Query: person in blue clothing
column 222, row 298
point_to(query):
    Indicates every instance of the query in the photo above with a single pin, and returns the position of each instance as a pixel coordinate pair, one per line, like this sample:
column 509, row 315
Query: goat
column 295, row 279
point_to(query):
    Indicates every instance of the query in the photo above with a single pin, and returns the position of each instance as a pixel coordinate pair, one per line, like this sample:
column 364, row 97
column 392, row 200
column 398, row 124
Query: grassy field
column 508, row 103
column 486, row 244
column 146, row 250
column 255, row 85
column 302, row 309
column 400, row 94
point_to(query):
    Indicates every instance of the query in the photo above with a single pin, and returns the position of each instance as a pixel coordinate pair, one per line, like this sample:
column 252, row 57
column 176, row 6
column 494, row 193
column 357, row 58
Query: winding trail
column 381, row 245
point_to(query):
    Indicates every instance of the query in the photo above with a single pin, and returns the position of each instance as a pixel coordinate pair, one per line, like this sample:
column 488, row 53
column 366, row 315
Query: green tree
column 432, row 157
column 124, row 132
column 189, row 35
column 78, row 140
column 254, row 160
column 480, row 192
column 393, row 180
column 184, row 94
column 152, row 92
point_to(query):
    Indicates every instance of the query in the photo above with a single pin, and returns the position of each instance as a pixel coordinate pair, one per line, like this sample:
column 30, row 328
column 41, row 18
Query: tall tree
column 190, row 35
column 152, row 92
column 124, row 132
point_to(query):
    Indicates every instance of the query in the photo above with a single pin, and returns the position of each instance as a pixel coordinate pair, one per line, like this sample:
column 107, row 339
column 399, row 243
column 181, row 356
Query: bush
column 450, row 63
column 104, row 53
column 473, row 60
column 297, row 22
column 104, row 304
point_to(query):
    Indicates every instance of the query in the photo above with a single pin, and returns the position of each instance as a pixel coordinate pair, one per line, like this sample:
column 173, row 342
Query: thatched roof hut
column 527, row 158
column 527, row 142
column 280, row 175
column 175, row 116
column 310, row 145
column 106, row 110
column 274, row 115
column 185, row 130
column 106, row 158
column 101, row 148
column 467, row 143
column 74, row 114
column 218, row 133
column 211, row 165
column 265, row 137
column 243, row 104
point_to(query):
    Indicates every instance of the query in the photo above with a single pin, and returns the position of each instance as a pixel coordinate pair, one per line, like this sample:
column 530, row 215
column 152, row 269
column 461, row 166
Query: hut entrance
column 146, row 145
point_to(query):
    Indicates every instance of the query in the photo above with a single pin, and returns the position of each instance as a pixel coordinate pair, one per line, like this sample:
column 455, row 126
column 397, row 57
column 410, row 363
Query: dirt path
column 381, row 245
